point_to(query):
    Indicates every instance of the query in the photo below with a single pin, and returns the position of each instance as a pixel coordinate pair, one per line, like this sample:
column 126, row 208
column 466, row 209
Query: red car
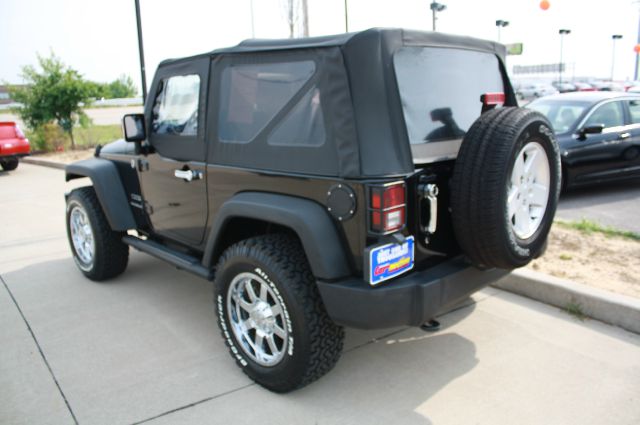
column 13, row 145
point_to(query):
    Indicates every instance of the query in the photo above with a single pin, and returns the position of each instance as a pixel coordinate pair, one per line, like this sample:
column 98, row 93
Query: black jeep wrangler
column 371, row 180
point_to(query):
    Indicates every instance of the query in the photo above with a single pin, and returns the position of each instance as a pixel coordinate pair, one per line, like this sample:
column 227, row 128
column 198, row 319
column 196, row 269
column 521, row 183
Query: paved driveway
column 145, row 348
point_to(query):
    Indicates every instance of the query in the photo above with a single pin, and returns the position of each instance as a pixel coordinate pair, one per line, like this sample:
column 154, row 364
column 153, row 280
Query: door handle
column 188, row 175
column 624, row 136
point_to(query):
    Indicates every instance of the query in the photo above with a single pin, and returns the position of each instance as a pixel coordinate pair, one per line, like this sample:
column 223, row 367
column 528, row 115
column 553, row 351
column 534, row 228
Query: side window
column 610, row 114
column 303, row 125
column 251, row 95
column 634, row 110
column 175, row 109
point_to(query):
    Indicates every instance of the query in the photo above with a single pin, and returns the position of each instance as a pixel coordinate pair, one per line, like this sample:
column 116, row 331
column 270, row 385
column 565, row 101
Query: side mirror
column 134, row 130
column 592, row 129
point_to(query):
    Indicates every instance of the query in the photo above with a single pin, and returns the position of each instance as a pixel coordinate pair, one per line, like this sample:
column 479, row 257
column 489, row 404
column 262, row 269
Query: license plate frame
column 384, row 262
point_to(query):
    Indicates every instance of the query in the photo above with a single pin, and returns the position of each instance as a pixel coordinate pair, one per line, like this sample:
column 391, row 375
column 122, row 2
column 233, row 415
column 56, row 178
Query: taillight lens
column 387, row 211
column 492, row 99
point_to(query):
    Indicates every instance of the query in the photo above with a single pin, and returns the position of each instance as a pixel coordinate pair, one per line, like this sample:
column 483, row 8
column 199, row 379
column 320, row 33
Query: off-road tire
column 9, row 164
column 316, row 341
column 480, row 182
column 111, row 255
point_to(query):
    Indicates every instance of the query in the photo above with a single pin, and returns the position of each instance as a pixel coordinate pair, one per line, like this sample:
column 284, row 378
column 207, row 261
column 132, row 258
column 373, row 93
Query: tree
column 122, row 87
column 54, row 93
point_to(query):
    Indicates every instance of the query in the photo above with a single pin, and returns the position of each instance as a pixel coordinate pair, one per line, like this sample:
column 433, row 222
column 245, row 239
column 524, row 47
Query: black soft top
column 372, row 37
column 368, row 133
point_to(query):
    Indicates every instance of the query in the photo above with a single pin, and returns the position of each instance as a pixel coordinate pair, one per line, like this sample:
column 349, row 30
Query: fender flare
column 308, row 219
column 109, row 189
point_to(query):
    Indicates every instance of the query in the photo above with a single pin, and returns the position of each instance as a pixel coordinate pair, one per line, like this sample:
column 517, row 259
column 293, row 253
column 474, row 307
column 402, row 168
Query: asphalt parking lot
column 613, row 204
column 145, row 348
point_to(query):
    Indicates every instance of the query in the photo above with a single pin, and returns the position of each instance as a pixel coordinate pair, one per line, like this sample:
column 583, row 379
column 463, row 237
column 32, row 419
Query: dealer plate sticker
column 389, row 261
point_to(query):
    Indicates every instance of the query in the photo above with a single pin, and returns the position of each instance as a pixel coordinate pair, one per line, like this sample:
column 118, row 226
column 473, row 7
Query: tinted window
column 303, row 125
column 634, row 110
column 562, row 115
column 610, row 114
column 175, row 110
column 440, row 96
column 253, row 94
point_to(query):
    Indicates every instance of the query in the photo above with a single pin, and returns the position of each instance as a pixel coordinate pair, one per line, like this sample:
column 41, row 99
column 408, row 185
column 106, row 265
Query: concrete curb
column 614, row 309
column 43, row 162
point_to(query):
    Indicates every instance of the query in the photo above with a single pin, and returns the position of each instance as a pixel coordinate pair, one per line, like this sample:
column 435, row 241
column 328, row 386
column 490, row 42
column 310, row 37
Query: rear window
column 7, row 131
column 440, row 90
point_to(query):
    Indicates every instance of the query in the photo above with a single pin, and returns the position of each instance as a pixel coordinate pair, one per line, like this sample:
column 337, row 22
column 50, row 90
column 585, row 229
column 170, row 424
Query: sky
column 99, row 38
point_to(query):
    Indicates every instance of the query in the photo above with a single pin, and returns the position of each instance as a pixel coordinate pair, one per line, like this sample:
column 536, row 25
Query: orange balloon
column 544, row 5
column 636, row 48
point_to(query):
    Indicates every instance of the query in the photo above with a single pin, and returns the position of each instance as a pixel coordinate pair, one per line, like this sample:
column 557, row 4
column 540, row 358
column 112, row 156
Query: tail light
column 387, row 208
column 492, row 99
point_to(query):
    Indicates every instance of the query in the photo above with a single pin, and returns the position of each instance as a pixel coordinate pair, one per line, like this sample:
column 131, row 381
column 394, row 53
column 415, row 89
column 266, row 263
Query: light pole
column 436, row 7
column 562, row 33
column 143, row 72
column 614, row 37
column 501, row 24
column 346, row 16
column 253, row 26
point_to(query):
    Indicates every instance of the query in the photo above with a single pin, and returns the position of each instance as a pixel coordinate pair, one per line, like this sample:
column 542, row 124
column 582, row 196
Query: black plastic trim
column 109, row 188
column 178, row 259
column 308, row 219
column 410, row 300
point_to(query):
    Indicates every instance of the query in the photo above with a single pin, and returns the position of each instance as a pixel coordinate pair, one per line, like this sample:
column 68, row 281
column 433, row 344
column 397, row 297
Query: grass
column 589, row 227
column 566, row 257
column 96, row 135
column 575, row 310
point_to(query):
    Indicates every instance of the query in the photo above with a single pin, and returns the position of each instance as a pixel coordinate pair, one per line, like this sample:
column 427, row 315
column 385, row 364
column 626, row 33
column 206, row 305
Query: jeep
column 370, row 179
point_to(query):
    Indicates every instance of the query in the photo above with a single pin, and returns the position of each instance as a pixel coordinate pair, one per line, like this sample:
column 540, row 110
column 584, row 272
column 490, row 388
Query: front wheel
column 271, row 315
column 97, row 250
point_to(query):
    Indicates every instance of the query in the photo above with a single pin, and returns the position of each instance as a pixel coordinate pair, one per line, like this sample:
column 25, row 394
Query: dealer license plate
column 389, row 261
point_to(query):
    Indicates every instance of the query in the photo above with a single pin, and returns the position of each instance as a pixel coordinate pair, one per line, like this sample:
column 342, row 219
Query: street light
column 614, row 37
column 346, row 16
column 562, row 33
column 501, row 24
column 436, row 7
column 143, row 72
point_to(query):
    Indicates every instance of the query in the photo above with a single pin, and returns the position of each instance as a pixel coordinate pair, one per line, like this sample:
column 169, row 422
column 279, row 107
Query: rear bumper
column 411, row 300
column 13, row 155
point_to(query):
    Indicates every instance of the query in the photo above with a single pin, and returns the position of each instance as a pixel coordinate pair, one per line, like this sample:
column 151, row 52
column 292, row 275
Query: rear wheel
column 505, row 188
column 9, row 164
column 271, row 314
column 97, row 250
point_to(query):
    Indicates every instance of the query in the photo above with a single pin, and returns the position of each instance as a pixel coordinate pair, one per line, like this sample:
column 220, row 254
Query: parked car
column 371, row 179
column 580, row 86
column 598, row 134
column 13, row 145
column 534, row 90
column 564, row 87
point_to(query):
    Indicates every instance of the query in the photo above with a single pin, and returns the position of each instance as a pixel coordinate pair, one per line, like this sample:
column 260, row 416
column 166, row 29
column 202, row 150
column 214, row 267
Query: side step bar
column 178, row 259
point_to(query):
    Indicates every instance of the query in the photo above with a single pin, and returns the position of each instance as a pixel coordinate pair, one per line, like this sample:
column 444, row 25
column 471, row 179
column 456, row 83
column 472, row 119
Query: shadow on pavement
column 147, row 342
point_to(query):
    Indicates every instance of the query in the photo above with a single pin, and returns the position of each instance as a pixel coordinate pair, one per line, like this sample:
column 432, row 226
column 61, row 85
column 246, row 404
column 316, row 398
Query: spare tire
column 505, row 188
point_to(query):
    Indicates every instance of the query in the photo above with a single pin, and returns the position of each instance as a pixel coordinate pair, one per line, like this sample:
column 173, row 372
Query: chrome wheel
column 258, row 319
column 528, row 191
column 82, row 236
